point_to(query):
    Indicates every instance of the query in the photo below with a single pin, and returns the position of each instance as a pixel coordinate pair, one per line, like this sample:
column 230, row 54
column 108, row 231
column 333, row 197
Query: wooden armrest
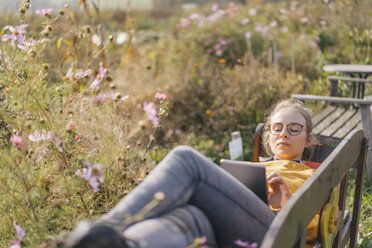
column 349, row 79
column 333, row 99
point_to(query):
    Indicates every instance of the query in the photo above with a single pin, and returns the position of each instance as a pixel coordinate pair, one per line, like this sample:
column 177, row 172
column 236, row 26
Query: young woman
column 201, row 199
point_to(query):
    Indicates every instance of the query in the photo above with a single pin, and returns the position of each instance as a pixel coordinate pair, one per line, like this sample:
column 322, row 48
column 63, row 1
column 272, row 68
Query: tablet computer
column 252, row 175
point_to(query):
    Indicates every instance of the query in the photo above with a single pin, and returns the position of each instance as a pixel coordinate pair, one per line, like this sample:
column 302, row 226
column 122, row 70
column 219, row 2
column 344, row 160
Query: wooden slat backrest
column 289, row 226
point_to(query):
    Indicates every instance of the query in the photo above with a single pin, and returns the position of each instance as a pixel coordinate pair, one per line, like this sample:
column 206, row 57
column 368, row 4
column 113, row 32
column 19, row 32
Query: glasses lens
column 294, row 128
column 276, row 128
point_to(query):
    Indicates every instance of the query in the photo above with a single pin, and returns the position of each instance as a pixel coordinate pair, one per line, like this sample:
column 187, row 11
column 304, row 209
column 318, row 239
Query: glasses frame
column 286, row 127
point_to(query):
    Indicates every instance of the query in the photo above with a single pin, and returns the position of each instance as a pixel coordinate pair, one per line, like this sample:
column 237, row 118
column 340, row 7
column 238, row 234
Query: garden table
column 353, row 70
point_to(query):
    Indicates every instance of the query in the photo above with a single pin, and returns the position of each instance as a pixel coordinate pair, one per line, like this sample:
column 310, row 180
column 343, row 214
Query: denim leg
column 178, row 228
column 187, row 177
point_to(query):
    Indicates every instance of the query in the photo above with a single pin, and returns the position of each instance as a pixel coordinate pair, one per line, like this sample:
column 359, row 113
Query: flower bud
column 61, row 12
column 88, row 29
column 22, row 10
column 27, row 6
column 111, row 38
column 112, row 85
column 46, row 66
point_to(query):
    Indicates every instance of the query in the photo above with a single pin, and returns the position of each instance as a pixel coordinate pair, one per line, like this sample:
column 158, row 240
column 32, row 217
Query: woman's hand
column 278, row 190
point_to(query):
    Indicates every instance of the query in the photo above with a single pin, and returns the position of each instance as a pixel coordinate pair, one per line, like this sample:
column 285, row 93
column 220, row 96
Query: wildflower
column 184, row 22
column 93, row 174
column 17, row 141
column 302, row 37
column 208, row 112
column 245, row 21
column 304, row 19
column 219, row 52
column 37, row 136
column 1, row 54
column 102, row 73
column 252, row 12
column 51, row 135
column 40, row 151
column 214, row 7
column 322, row 23
column 161, row 96
column 273, row 24
column 248, row 35
column 313, row 45
column 195, row 17
column 45, row 12
column 77, row 138
column 121, row 38
column 97, row 40
column 284, row 29
column 151, row 113
column 27, row 44
column 20, row 233
column 222, row 61
column 18, row 33
column 100, row 99
column 245, row 244
column 82, row 74
column 71, row 126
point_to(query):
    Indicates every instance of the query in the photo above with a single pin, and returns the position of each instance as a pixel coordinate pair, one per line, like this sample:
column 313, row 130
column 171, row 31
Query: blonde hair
column 303, row 110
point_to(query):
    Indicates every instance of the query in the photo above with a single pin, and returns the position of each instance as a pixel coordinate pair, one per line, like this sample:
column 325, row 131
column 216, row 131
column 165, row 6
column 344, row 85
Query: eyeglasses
column 293, row 128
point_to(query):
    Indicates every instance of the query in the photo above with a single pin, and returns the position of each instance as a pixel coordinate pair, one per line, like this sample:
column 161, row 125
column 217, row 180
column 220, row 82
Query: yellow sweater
column 294, row 174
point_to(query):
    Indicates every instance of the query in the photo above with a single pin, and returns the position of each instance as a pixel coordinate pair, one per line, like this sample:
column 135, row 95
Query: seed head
column 159, row 196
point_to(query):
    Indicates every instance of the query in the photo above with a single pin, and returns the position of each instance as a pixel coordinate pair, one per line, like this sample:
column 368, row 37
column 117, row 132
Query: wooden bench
column 332, row 124
column 288, row 229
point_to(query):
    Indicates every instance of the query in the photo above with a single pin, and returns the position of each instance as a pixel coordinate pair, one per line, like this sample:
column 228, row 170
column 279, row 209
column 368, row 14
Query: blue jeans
column 201, row 199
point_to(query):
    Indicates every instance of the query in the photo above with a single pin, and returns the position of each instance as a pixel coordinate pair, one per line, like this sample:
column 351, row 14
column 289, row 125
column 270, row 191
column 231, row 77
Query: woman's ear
column 309, row 140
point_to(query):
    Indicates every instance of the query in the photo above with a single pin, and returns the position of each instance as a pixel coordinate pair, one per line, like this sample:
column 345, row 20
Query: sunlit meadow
column 91, row 100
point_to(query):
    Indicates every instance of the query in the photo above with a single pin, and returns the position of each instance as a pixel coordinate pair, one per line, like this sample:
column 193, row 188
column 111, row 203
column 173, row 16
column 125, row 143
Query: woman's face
column 284, row 145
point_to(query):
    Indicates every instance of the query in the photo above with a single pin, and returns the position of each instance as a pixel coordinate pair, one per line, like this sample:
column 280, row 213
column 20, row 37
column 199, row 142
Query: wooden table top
column 349, row 69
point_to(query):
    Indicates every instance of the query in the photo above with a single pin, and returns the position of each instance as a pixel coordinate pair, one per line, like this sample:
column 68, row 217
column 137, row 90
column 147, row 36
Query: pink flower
column 20, row 233
column 304, row 19
column 1, row 54
column 245, row 244
column 29, row 43
column 71, row 126
column 248, row 35
column 93, row 174
column 245, row 21
column 100, row 99
column 313, row 45
column 214, row 7
column 151, row 113
column 82, row 74
column 40, row 151
column 302, row 37
column 252, row 12
column 44, row 11
column 102, row 73
column 284, row 29
column 322, row 23
column 51, row 135
column 77, row 138
column 161, row 96
column 273, row 24
column 18, row 33
column 17, row 141
column 219, row 52
column 195, row 16
column 37, row 136
column 184, row 22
